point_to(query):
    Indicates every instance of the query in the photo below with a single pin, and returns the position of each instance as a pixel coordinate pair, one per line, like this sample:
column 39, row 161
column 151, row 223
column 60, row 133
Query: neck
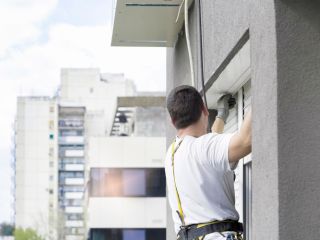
column 192, row 130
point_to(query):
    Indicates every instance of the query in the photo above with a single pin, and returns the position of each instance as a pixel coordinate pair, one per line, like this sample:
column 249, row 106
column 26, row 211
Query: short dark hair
column 184, row 104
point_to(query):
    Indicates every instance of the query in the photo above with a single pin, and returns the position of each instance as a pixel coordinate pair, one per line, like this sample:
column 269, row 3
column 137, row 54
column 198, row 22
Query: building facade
column 266, row 53
column 36, row 164
column 50, row 150
column 127, row 193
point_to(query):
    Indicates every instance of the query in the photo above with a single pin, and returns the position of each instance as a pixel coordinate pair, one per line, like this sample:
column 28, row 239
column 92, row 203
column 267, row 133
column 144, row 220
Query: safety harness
column 200, row 230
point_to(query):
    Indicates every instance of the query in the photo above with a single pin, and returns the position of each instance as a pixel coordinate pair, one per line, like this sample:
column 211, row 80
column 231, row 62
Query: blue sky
column 38, row 38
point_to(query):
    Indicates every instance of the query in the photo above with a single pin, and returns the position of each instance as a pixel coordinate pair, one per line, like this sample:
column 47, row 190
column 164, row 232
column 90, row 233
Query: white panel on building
column 74, row 153
column 71, row 140
column 73, row 237
column 74, row 195
column 74, row 209
column 74, row 224
column 126, row 151
column 74, row 167
column 127, row 212
column 74, row 181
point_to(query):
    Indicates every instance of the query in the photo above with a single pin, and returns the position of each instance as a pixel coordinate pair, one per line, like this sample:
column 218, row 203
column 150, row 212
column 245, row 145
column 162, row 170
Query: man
column 199, row 167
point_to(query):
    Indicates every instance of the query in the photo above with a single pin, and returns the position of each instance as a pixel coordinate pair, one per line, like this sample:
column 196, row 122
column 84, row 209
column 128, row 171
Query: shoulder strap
column 180, row 212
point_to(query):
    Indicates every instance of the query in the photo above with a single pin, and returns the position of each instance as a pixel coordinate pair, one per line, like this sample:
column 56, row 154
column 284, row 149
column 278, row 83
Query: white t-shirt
column 204, row 178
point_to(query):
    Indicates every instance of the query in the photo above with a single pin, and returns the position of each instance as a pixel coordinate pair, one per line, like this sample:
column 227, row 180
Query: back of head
column 184, row 104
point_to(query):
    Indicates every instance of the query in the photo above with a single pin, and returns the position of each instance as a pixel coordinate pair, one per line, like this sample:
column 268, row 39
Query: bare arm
column 240, row 143
column 217, row 126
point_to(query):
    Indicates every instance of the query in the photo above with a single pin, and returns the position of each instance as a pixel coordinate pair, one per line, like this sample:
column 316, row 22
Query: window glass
column 130, row 234
column 130, row 182
column 134, row 182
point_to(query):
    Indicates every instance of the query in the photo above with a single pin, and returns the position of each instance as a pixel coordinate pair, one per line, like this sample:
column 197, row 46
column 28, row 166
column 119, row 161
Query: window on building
column 242, row 184
column 51, row 152
column 128, row 234
column 51, row 136
column 51, row 124
column 129, row 182
column 73, row 202
column 72, row 160
column 247, row 169
column 74, row 216
column 71, row 123
column 66, row 133
column 71, row 189
column 72, row 174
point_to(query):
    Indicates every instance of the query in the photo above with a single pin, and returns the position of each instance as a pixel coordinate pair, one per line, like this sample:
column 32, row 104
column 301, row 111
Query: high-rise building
column 36, row 163
column 53, row 136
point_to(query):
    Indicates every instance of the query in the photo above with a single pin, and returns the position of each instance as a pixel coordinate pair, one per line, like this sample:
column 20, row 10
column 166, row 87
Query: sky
column 38, row 38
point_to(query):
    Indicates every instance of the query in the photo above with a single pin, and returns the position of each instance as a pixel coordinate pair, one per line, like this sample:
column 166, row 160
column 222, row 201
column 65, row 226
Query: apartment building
column 266, row 53
column 127, row 190
column 36, row 164
column 86, row 109
column 50, row 150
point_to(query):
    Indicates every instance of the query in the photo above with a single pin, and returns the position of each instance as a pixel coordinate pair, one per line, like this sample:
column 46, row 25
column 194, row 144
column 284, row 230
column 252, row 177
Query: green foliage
column 6, row 229
column 26, row 234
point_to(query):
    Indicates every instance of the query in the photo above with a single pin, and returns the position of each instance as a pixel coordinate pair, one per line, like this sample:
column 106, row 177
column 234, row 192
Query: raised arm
column 240, row 143
column 217, row 126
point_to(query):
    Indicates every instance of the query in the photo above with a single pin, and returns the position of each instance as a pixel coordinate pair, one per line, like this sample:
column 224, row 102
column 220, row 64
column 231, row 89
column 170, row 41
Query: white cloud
column 20, row 21
column 34, row 68
column 37, row 68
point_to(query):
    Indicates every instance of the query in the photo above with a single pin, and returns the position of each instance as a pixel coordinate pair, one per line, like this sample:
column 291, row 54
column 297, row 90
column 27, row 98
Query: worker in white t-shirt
column 199, row 168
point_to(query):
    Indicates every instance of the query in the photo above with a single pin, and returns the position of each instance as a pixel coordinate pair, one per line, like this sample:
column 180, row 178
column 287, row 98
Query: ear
column 173, row 122
column 205, row 111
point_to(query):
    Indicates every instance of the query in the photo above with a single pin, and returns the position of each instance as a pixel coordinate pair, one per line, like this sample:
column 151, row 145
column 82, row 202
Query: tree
column 6, row 229
column 26, row 234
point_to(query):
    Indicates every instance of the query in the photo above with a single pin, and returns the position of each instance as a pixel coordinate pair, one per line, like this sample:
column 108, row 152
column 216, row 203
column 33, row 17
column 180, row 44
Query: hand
column 225, row 103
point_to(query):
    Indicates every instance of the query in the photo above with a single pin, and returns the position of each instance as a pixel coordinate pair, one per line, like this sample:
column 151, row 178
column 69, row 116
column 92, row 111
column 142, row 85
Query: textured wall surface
column 224, row 22
column 298, row 54
column 285, row 57
column 265, row 200
column 149, row 122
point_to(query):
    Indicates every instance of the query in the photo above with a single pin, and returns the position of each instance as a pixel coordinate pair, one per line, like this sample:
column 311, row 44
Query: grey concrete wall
column 224, row 22
column 150, row 122
column 285, row 57
column 298, row 59
column 178, row 70
column 265, row 199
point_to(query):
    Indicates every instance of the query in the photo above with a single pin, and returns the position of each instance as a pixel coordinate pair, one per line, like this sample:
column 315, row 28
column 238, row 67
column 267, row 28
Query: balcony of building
column 71, row 167
column 73, row 195
column 72, row 209
column 74, row 223
column 70, row 123
column 71, row 151
column 65, row 140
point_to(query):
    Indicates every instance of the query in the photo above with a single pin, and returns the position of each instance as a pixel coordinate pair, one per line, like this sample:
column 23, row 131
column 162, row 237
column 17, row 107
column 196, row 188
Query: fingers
column 232, row 102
